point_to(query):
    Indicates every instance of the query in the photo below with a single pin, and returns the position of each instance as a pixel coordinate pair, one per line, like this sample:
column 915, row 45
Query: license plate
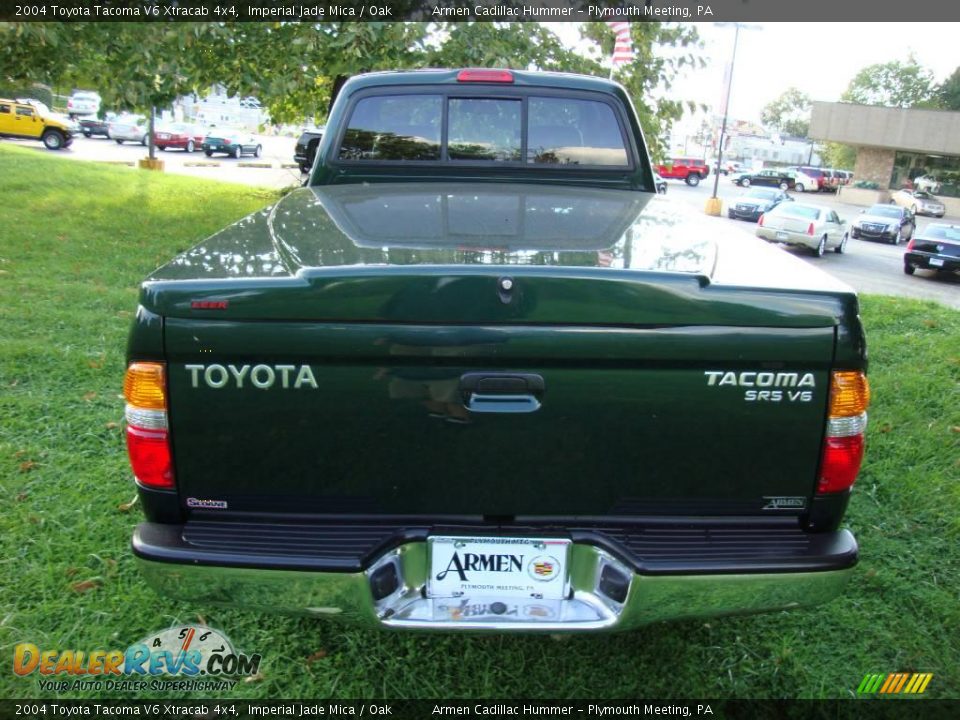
column 935, row 262
column 499, row 567
column 781, row 235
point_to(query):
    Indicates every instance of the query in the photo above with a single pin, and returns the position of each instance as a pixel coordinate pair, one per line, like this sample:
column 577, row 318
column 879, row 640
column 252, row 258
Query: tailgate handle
column 501, row 392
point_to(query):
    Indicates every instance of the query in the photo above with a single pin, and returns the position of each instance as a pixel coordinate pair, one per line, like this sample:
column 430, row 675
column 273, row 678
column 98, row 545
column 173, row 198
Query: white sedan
column 815, row 227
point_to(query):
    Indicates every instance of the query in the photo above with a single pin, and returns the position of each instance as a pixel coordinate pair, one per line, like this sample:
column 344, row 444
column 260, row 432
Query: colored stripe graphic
column 894, row 683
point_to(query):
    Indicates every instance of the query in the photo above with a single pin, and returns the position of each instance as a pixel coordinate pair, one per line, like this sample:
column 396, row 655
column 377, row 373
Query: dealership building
column 895, row 146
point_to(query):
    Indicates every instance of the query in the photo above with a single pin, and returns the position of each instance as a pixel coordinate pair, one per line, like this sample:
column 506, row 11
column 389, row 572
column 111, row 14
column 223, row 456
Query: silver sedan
column 815, row 227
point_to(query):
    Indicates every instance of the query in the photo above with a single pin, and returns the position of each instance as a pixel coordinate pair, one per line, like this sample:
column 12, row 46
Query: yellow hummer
column 32, row 119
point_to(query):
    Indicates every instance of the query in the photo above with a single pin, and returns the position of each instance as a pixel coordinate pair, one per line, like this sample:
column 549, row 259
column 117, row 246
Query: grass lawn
column 77, row 238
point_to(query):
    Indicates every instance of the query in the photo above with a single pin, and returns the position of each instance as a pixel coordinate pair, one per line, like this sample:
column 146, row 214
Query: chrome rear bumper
column 594, row 602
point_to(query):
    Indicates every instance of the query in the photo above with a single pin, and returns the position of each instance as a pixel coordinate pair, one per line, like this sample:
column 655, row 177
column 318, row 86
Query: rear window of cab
column 532, row 130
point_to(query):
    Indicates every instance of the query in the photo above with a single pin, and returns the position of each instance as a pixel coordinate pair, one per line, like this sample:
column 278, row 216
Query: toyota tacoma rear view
column 477, row 374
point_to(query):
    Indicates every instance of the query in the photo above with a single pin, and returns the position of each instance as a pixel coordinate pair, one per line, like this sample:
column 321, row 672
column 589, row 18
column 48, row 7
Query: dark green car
column 232, row 142
column 477, row 374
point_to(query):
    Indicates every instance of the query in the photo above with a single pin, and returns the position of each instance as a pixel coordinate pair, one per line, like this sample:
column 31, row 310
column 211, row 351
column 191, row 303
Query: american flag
column 623, row 48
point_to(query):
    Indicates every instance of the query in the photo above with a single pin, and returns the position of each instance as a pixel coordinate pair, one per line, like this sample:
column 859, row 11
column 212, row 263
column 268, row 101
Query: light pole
column 714, row 204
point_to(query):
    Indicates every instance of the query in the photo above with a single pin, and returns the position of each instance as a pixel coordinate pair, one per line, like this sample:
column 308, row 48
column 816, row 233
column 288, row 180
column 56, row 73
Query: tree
column 661, row 52
column 789, row 114
column 838, row 155
column 949, row 92
column 290, row 67
column 893, row 84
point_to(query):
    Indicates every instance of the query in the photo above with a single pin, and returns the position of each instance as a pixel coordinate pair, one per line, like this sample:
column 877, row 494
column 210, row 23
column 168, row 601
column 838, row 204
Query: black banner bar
column 481, row 10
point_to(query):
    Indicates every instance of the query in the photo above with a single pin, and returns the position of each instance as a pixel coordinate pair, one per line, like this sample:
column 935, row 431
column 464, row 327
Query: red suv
column 693, row 170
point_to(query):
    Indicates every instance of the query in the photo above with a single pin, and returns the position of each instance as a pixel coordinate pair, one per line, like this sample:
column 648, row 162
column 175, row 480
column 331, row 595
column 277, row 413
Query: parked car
column 728, row 166
column 920, row 202
column 232, row 142
column 755, row 202
column 306, row 148
column 659, row 183
column 773, row 178
column 930, row 183
column 83, row 102
column 813, row 180
column 28, row 120
column 815, row 227
column 690, row 170
column 889, row 223
column 936, row 247
column 128, row 128
column 91, row 126
column 183, row 136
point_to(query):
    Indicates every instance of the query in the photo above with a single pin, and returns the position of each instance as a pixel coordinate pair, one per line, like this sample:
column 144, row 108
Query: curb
column 254, row 165
column 289, row 166
column 128, row 163
column 201, row 164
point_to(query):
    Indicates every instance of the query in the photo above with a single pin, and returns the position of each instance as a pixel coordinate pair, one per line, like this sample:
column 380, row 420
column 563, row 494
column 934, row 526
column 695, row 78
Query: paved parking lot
column 869, row 267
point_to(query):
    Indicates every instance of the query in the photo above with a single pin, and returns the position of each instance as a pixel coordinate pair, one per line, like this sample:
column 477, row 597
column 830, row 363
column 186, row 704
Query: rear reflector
column 840, row 464
column 148, row 441
column 488, row 76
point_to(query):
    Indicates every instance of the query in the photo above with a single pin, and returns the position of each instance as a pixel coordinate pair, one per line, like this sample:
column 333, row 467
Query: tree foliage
column 949, row 92
column 290, row 67
column 789, row 114
column 893, row 84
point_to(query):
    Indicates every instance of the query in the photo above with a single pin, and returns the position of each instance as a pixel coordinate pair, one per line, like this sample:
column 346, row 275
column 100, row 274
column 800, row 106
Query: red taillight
column 150, row 457
column 910, row 244
column 846, row 425
column 840, row 464
column 810, row 229
column 148, row 439
column 760, row 221
column 480, row 75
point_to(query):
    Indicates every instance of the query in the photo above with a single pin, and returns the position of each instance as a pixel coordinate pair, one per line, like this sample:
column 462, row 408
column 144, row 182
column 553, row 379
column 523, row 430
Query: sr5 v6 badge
column 791, row 382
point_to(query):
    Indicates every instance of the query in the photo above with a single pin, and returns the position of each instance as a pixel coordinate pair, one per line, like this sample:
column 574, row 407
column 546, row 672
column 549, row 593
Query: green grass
column 75, row 241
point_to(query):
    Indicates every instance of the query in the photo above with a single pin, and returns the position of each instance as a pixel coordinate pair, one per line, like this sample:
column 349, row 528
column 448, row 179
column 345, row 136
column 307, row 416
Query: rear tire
column 236, row 152
column 162, row 148
column 745, row 182
column 842, row 247
column 821, row 247
column 798, row 187
column 53, row 139
column 190, row 147
column 908, row 268
column 119, row 142
column 304, row 169
column 208, row 153
column 258, row 151
column 693, row 179
column 784, row 186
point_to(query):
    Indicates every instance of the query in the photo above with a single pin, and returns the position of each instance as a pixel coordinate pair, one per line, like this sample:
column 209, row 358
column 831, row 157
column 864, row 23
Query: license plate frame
column 935, row 262
column 502, row 567
column 781, row 235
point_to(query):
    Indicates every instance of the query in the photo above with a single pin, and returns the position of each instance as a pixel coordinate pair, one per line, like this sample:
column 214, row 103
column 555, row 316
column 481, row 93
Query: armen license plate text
column 501, row 567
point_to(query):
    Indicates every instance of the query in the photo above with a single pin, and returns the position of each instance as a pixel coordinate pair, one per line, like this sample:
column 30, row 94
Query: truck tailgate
column 300, row 417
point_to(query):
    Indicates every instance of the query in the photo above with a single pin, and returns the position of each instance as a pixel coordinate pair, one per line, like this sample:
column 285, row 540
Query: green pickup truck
column 477, row 374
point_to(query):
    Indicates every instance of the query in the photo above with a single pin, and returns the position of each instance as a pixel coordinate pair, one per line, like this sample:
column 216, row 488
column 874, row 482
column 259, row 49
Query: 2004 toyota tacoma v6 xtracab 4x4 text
column 478, row 375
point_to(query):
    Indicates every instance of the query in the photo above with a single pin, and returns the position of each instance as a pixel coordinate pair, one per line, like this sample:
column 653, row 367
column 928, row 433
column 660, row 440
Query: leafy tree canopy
column 789, row 114
column 290, row 67
column 949, row 92
column 893, row 84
